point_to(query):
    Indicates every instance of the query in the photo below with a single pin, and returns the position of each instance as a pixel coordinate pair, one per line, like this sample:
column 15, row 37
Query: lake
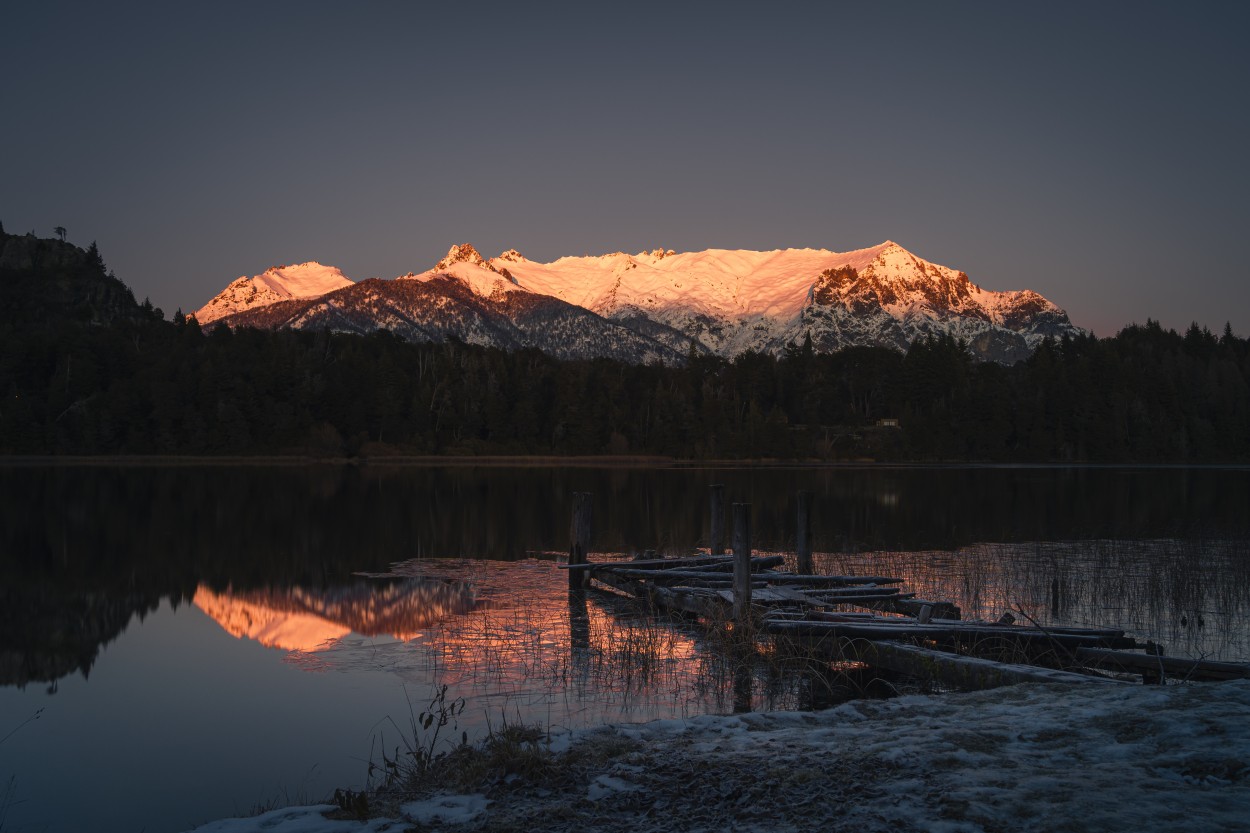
column 181, row 643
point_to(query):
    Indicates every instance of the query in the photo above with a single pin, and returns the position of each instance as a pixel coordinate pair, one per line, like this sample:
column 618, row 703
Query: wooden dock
column 870, row 619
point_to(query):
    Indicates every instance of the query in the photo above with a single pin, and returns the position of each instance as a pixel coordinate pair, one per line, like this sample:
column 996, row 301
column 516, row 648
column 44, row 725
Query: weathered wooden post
column 716, row 541
column 579, row 539
column 742, row 563
column 803, row 537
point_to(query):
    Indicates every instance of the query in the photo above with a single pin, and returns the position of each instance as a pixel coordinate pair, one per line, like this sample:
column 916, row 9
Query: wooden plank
column 763, row 595
column 907, row 604
column 655, row 563
column 1175, row 667
column 725, row 583
column 626, row 568
column 910, row 629
column 829, row 581
column 849, row 590
column 791, row 594
column 968, row 673
column 757, row 562
column 683, row 600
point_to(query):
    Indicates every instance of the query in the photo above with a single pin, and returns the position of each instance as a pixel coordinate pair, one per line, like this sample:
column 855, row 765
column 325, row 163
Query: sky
column 1095, row 153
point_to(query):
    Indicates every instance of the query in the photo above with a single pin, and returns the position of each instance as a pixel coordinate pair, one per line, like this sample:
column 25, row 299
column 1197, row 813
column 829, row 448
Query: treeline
column 86, row 370
column 148, row 386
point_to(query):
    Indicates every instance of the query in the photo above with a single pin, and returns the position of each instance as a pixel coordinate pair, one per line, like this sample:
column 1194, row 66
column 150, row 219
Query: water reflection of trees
column 48, row 632
column 85, row 548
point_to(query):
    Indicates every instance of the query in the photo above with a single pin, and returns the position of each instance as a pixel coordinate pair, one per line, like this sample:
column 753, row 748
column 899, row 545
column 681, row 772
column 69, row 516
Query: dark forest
column 85, row 370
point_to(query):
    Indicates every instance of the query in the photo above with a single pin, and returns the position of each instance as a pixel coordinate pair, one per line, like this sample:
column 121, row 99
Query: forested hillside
column 80, row 378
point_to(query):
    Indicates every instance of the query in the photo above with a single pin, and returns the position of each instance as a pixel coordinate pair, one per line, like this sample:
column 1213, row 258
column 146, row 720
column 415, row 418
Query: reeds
column 1191, row 595
column 533, row 651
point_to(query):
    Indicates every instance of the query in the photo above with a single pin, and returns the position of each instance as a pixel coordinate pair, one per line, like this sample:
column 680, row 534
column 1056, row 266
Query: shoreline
column 1027, row 758
column 552, row 461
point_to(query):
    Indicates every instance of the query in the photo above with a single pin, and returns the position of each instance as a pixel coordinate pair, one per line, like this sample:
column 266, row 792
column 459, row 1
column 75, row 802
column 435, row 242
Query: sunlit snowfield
column 240, row 638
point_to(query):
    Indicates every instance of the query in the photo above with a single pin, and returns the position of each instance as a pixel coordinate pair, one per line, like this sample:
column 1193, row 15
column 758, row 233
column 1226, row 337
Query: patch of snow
column 449, row 809
column 606, row 785
column 299, row 820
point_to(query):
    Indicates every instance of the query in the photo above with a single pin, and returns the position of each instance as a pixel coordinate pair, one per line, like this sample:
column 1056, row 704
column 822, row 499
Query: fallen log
column 655, row 563
column 676, row 566
column 694, row 600
column 829, row 581
column 968, row 673
column 1160, row 666
column 951, row 630
column 849, row 590
column 908, row 605
column 672, row 576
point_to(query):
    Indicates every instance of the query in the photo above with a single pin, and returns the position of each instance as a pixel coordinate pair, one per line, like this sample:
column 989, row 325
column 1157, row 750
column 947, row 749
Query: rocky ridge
column 660, row 305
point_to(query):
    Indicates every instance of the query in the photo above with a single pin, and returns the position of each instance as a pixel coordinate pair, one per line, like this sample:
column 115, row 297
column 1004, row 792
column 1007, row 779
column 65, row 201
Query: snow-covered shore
column 1026, row 758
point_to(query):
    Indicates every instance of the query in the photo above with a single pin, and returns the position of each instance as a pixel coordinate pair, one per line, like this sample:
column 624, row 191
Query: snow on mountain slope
column 465, row 264
column 278, row 283
column 736, row 300
column 727, row 301
column 716, row 281
column 441, row 306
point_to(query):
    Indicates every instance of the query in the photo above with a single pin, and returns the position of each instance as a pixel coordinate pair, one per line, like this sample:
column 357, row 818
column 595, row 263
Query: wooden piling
column 716, row 541
column 803, row 535
column 742, row 563
column 579, row 538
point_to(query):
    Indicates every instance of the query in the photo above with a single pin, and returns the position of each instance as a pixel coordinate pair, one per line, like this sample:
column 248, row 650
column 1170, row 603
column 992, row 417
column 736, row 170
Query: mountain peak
column 277, row 283
column 889, row 247
column 728, row 300
column 462, row 253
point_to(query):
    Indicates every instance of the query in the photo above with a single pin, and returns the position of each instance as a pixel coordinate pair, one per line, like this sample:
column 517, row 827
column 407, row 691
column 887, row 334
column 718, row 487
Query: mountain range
column 657, row 305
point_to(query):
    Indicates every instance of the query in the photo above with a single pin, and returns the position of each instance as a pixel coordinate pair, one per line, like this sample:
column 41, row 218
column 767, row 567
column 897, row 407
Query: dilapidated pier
column 868, row 619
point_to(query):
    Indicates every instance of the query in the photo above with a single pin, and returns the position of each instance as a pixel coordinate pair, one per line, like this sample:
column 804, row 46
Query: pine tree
column 94, row 262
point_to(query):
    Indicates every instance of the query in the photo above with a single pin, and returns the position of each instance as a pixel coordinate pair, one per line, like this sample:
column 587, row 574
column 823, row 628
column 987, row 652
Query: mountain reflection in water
column 164, row 583
column 303, row 619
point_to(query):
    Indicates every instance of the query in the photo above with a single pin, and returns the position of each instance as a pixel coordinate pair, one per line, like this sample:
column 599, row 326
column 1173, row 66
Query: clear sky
column 1094, row 152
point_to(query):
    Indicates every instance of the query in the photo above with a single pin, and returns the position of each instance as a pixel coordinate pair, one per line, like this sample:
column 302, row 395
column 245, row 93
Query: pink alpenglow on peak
column 464, row 263
column 277, row 283
column 665, row 304
column 462, row 253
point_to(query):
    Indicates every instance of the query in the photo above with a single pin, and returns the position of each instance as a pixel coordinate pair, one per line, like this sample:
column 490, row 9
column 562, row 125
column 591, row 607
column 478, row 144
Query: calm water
column 194, row 642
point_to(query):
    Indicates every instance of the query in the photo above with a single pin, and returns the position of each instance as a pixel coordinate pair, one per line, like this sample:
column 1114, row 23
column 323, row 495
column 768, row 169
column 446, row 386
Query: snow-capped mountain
column 732, row 301
column 277, row 283
column 475, row 309
column 656, row 305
